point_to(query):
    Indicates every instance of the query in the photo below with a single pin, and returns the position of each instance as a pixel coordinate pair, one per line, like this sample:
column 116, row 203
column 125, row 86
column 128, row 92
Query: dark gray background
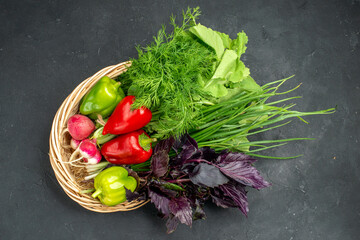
column 48, row 47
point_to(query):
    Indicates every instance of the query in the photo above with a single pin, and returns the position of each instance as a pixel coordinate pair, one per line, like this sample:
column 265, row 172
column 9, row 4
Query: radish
column 80, row 126
column 74, row 143
column 88, row 152
column 94, row 159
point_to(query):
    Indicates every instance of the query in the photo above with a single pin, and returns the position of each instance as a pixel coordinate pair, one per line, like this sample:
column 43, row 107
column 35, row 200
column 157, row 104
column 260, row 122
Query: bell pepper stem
column 87, row 190
column 96, row 193
column 147, row 141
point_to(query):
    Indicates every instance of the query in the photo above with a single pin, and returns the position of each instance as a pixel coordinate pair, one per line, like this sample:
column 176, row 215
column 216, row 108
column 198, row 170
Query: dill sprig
column 166, row 78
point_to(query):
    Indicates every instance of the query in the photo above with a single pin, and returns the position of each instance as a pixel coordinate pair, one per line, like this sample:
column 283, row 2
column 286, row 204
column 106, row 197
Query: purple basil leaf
column 231, row 194
column 175, row 173
column 171, row 224
column 160, row 157
column 208, row 175
column 237, row 166
column 244, row 173
column 191, row 141
column 208, row 154
column 199, row 212
column 222, row 201
column 238, row 194
column 196, row 193
column 189, row 148
column 226, row 157
column 160, row 201
column 157, row 186
column 165, row 145
column 176, row 162
column 131, row 196
column 181, row 209
column 179, row 142
column 159, row 163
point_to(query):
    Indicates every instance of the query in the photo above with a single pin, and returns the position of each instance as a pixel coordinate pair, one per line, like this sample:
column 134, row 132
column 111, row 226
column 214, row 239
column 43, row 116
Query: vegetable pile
column 174, row 127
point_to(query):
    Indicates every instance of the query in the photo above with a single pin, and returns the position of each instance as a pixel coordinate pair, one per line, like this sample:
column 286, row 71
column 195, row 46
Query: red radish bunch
column 80, row 127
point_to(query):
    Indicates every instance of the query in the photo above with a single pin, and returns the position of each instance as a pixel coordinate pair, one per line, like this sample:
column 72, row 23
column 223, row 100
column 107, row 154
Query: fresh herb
column 194, row 175
column 227, row 125
column 165, row 78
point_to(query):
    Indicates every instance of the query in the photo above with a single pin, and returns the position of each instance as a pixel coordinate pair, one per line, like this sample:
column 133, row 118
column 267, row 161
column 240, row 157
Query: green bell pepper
column 102, row 98
column 110, row 185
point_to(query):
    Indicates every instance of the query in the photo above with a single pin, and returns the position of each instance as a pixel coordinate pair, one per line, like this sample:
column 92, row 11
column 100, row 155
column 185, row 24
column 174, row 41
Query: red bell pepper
column 124, row 119
column 130, row 148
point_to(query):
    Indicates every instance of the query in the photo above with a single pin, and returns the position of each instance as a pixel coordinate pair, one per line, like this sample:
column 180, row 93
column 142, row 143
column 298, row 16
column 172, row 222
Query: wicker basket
column 59, row 154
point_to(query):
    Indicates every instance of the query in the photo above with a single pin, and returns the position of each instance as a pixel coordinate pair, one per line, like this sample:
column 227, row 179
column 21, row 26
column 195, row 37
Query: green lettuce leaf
column 240, row 72
column 231, row 76
column 239, row 44
column 227, row 65
column 247, row 84
column 210, row 38
column 230, row 73
column 216, row 85
column 226, row 39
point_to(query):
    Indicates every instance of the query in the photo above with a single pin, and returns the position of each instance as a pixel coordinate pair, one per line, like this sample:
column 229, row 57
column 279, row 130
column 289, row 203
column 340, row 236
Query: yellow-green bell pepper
column 110, row 185
column 102, row 98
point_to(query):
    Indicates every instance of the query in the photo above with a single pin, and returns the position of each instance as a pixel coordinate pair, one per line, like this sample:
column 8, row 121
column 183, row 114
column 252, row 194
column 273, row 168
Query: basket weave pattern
column 59, row 155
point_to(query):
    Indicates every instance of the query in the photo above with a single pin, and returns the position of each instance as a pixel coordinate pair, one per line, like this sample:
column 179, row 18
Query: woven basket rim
column 57, row 153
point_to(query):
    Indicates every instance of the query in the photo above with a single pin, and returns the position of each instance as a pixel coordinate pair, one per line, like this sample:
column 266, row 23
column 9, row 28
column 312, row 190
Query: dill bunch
column 166, row 78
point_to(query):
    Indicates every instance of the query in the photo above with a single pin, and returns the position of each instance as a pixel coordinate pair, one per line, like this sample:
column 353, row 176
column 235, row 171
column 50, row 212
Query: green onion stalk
column 227, row 125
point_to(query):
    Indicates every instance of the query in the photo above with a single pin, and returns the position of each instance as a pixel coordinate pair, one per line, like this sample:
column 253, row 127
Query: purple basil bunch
column 183, row 177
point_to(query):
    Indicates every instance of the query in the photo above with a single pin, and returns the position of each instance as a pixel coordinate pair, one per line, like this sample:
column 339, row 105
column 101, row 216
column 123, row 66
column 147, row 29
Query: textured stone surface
column 49, row 47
